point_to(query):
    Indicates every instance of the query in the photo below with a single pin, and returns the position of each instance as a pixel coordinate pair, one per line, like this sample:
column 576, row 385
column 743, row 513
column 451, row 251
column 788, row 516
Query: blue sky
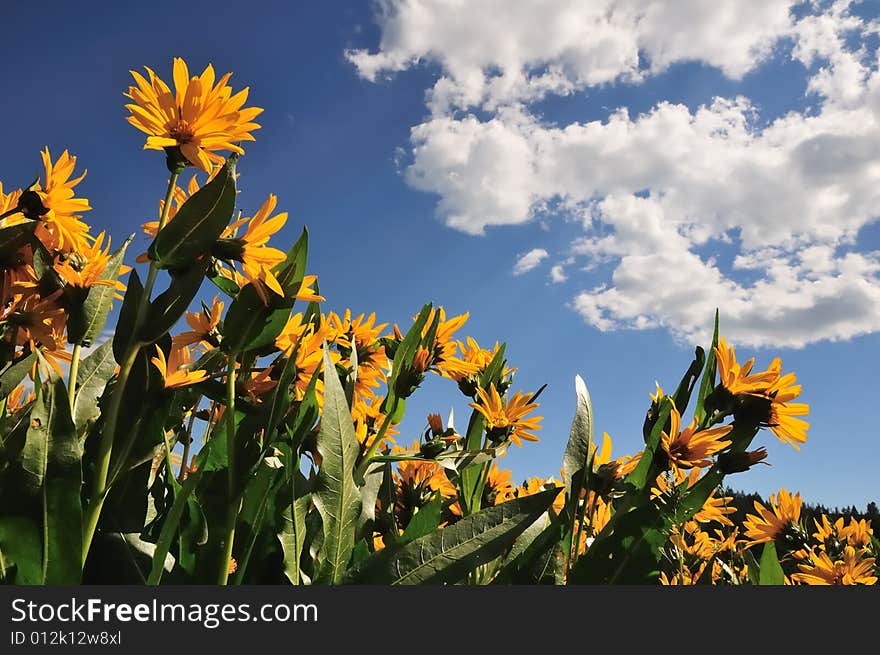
column 426, row 181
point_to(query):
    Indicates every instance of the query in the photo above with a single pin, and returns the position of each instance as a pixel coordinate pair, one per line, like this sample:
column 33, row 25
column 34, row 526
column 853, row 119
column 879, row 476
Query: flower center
column 181, row 132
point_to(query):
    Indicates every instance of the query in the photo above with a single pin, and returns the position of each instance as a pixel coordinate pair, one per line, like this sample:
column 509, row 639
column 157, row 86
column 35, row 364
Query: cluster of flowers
column 52, row 268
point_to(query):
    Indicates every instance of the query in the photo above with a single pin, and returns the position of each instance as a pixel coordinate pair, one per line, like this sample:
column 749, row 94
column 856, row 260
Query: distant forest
column 745, row 503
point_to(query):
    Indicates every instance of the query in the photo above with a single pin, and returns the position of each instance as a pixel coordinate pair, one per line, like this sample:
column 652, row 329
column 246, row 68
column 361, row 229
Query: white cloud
column 493, row 52
column 529, row 261
column 658, row 191
column 557, row 274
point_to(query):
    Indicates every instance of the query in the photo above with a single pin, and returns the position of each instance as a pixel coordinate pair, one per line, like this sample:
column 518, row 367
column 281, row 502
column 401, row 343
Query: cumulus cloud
column 496, row 51
column 660, row 192
column 529, row 261
column 557, row 274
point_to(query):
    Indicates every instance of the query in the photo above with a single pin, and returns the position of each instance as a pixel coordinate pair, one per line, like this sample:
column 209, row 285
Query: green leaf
column 20, row 543
column 53, row 462
column 250, row 324
column 530, row 551
column 640, row 476
column 707, row 384
column 471, row 475
column 124, row 335
column 225, row 285
column 449, row 554
column 576, row 466
column 406, row 350
column 169, row 306
column 336, row 496
column 257, row 503
column 172, row 522
column 425, row 521
column 86, row 320
column 770, row 569
column 682, row 394
column 14, row 237
column 94, row 373
column 198, row 223
column 14, row 373
column 293, row 528
column 628, row 554
column 368, row 486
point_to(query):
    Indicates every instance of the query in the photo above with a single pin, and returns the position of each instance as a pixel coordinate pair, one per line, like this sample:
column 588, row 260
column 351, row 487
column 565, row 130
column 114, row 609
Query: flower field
column 196, row 414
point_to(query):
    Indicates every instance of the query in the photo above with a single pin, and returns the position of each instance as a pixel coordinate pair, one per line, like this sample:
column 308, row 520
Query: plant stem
column 105, row 447
column 186, row 444
column 74, row 372
column 234, row 501
column 371, row 451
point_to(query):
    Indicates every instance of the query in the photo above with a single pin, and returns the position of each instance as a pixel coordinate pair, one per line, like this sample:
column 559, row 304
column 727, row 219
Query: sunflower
column 19, row 398
column 853, row 568
column 769, row 524
column 832, row 536
column 200, row 117
column 256, row 258
column 203, row 326
column 443, row 351
column 507, row 420
column 175, row 370
column 738, row 378
column 692, row 447
column 536, row 485
column 61, row 229
column 37, row 320
column 473, row 355
column 715, row 509
column 416, row 484
column 17, row 275
column 498, row 487
column 9, row 208
column 764, row 398
column 83, row 268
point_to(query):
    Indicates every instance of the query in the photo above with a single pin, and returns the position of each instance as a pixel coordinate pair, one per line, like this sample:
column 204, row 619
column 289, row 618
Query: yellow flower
column 472, row 355
column 692, row 447
column 499, row 487
column 857, row 534
column 174, row 370
column 19, row 398
column 306, row 293
column 256, row 258
column 200, row 117
column 308, row 344
column 738, row 378
column 716, row 509
column 536, row 485
column 853, row 568
column 38, row 320
column 62, row 228
column 9, row 208
column 440, row 356
column 770, row 523
column 204, row 327
column 84, row 268
column 771, row 392
column 507, row 420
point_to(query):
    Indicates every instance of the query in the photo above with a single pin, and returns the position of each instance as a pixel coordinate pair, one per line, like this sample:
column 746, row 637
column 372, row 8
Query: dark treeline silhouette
column 745, row 503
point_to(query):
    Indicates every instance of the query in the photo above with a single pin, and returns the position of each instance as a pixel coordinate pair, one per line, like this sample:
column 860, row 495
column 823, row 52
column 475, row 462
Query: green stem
column 74, row 372
column 105, row 447
column 234, row 502
column 371, row 451
column 189, row 428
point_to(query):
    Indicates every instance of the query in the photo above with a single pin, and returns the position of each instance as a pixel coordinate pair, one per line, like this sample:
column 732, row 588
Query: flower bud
column 740, row 462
